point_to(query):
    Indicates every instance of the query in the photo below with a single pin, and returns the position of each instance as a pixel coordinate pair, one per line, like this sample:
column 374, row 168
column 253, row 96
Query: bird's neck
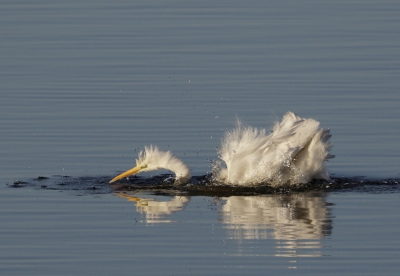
column 180, row 169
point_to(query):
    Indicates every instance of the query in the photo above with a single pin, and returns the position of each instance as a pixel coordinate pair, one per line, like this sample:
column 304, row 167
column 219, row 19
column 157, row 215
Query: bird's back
column 291, row 153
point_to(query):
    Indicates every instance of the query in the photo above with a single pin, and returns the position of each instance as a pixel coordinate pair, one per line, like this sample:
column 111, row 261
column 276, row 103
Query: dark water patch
column 85, row 185
column 18, row 184
column 202, row 185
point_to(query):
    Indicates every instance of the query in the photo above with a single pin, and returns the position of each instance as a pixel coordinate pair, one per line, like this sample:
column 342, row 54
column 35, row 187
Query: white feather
column 154, row 159
column 294, row 152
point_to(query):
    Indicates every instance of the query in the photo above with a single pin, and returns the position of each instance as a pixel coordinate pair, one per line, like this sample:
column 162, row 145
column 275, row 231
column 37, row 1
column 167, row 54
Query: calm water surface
column 60, row 233
column 86, row 84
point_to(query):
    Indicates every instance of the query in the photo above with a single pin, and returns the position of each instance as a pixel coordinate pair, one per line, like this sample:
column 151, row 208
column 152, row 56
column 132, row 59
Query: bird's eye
column 144, row 166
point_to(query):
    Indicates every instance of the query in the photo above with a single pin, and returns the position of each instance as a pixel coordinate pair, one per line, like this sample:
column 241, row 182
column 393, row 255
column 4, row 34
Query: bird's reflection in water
column 297, row 222
column 157, row 211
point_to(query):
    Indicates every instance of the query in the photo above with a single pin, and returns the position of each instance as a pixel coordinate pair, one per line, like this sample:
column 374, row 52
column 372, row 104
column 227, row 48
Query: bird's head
column 153, row 159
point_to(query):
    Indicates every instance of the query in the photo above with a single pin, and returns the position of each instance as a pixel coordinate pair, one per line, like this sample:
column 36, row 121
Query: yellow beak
column 125, row 174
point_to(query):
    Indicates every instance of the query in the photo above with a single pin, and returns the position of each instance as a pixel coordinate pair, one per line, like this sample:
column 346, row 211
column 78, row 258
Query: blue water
column 86, row 84
column 53, row 233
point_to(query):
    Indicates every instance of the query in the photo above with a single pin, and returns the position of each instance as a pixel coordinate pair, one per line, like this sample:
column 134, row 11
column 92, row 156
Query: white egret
column 294, row 152
column 154, row 159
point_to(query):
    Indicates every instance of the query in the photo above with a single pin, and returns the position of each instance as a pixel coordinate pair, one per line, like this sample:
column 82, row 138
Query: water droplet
column 286, row 163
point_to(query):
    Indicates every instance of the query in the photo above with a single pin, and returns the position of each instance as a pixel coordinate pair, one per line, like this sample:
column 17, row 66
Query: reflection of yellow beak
column 130, row 198
column 125, row 174
column 140, row 202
